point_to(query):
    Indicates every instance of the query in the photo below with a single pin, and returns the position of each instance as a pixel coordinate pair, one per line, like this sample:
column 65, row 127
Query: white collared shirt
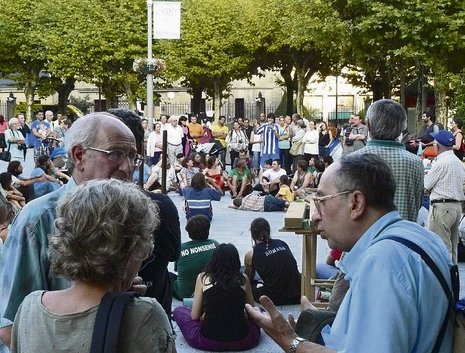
column 445, row 179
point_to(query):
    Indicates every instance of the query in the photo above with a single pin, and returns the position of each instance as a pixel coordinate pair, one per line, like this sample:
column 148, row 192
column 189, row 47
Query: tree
column 211, row 52
column 20, row 50
column 309, row 33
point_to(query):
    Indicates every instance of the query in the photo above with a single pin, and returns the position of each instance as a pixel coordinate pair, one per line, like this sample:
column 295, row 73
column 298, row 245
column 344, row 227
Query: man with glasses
column 99, row 146
column 395, row 302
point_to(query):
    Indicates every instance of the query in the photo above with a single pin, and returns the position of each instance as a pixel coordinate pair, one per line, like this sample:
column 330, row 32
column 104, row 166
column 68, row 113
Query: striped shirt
column 269, row 140
column 408, row 174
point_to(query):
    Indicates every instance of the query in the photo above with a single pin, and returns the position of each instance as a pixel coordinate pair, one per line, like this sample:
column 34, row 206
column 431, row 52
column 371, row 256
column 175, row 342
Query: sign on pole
column 166, row 20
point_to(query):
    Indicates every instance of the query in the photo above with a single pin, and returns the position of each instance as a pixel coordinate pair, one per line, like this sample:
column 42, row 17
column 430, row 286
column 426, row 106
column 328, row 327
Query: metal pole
column 149, row 57
column 163, row 161
column 337, row 76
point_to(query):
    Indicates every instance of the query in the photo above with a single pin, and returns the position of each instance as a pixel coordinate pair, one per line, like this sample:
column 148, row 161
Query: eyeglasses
column 119, row 156
column 319, row 200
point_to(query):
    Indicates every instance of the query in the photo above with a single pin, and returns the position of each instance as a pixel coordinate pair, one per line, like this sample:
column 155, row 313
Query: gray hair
column 386, row 119
column 83, row 133
column 102, row 228
column 369, row 174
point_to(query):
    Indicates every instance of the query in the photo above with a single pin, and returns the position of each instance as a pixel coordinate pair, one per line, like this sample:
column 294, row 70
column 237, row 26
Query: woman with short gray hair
column 103, row 233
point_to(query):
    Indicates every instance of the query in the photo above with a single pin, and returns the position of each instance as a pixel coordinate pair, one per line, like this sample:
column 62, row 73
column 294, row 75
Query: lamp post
column 149, row 57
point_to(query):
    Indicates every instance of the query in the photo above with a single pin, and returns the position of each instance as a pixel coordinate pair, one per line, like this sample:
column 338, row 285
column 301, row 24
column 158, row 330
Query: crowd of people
column 81, row 235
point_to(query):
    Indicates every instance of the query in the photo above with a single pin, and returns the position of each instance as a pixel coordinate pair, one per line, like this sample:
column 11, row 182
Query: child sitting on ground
column 285, row 193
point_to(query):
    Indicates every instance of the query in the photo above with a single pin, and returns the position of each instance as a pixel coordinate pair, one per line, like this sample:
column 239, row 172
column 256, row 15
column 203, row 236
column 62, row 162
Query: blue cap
column 444, row 138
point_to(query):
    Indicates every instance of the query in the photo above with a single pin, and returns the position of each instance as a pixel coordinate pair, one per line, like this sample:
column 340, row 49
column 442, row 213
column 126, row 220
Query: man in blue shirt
column 395, row 302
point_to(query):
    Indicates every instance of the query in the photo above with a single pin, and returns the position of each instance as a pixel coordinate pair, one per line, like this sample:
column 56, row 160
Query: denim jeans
column 273, row 204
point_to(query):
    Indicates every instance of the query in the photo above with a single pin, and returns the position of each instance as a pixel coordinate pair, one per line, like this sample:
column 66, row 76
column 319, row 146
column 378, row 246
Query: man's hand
column 137, row 286
column 273, row 323
column 5, row 335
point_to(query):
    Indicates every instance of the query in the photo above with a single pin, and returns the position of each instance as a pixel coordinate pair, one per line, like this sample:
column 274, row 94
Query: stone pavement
column 232, row 226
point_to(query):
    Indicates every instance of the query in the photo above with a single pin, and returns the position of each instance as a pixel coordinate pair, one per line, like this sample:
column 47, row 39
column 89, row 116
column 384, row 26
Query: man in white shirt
column 174, row 139
column 269, row 179
column 445, row 183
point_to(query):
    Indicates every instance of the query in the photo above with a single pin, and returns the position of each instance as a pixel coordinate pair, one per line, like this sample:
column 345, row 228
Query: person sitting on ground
column 302, row 179
column 285, row 193
column 239, row 180
column 197, row 158
column 198, row 197
column 269, row 180
column 103, row 232
column 4, row 226
column 243, row 154
column 319, row 169
column 330, row 268
column 10, row 192
column 187, row 172
column 258, row 186
column 146, row 174
column 273, row 261
column 23, row 185
column 258, row 203
column 217, row 321
column 154, row 181
column 195, row 255
column 214, row 171
column 46, row 168
column 327, row 160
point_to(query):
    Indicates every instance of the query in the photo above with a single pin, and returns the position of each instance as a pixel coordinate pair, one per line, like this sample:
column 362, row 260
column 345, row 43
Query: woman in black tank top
column 217, row 321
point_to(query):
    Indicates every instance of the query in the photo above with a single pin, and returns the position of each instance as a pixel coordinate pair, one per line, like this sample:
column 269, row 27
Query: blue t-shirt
column 42, row 127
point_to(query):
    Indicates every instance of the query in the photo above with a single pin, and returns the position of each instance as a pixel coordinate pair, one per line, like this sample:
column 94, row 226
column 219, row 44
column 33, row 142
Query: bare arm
column 249, row 270
column 248, row 292
column 197, row 306
column 458, row 141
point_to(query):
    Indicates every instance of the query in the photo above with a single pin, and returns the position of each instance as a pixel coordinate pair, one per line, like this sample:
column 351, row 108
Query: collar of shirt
column 349, row 263
column 386, row 143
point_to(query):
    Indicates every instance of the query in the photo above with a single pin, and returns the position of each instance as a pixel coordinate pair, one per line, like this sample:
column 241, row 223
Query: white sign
column 166, row 20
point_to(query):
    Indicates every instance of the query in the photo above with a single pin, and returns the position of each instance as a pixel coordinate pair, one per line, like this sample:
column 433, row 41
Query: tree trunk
column 286, row 73
column 402, row 85
column 130, row 96
column 441, row 108
column 30, row 92
column 300, row 74
column 63, row 94
column 217, row 99
column 196, row 99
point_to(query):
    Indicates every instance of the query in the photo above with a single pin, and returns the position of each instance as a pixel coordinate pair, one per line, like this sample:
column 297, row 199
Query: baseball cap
column 444, row 138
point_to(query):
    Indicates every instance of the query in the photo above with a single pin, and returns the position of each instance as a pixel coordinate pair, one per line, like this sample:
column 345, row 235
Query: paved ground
column 232, row 226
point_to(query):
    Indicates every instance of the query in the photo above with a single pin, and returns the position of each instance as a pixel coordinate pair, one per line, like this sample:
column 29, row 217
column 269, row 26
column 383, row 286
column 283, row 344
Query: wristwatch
column 295, row 342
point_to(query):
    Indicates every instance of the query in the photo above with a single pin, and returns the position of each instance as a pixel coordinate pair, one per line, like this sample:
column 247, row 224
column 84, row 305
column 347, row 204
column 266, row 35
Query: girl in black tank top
column 217, row 321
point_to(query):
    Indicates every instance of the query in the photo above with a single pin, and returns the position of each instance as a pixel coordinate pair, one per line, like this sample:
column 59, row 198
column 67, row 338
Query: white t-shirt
column 271, row 174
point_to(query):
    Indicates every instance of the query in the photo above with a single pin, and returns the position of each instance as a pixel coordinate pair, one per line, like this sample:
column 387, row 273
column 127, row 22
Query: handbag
column 6, row 155
column 295, row 148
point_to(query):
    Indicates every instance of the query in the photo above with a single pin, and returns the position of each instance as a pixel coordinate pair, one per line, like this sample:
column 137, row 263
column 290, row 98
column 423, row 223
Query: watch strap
column 294, row 343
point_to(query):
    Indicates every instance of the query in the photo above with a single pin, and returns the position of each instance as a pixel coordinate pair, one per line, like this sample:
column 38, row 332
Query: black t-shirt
column 278, row 269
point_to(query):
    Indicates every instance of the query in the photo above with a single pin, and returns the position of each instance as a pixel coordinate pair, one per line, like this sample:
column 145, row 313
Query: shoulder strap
column 449, row 294
column 107, row 325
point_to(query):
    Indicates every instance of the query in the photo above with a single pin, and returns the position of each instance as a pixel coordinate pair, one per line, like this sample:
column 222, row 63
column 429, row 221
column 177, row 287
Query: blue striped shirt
column 269, row 140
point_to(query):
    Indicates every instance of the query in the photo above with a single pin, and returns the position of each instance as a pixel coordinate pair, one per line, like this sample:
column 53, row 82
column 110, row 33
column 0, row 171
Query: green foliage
column 83, row 104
